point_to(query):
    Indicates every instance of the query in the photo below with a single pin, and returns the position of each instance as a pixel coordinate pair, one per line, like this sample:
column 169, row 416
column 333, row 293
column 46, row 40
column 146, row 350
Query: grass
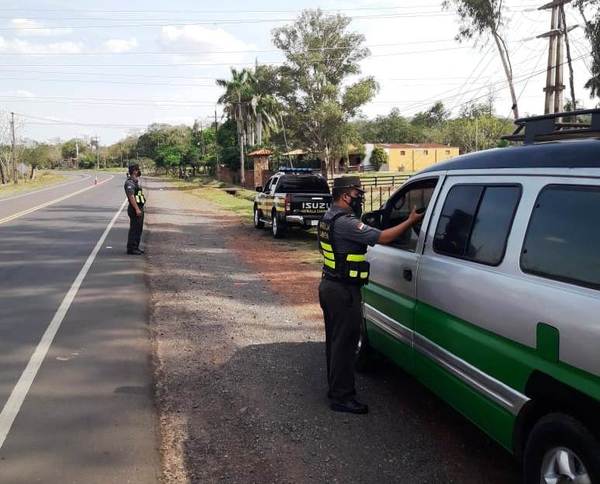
column 214, row 191
column 113, row 169
column 42, row 179
column 302, row 241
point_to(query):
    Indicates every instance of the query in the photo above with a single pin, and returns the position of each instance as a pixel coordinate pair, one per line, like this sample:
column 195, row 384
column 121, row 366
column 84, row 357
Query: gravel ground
column 240, row 378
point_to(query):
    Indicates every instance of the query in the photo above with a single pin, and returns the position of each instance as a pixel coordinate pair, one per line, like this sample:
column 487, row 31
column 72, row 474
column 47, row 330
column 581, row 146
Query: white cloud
column 32, row 28
column 204, row 43
column 24, row 93
column 118, row 46
column 18, row 93
column 18, row 46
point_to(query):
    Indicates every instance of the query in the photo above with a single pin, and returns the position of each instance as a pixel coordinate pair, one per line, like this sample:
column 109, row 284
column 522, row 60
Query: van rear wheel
column 560, row 449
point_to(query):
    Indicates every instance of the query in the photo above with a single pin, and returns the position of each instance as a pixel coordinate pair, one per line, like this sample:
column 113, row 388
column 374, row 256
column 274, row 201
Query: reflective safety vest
column 140, row 199
column 351, row 268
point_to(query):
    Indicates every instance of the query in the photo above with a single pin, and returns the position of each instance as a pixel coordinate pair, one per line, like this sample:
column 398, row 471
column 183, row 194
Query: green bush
column 378, row 157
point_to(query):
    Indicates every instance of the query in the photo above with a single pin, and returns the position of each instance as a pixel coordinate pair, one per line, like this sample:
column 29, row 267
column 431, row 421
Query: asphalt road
column 75, row 379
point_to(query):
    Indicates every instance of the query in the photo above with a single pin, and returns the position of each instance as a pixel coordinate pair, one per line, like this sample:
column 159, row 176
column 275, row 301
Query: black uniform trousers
column 341, row 305
column 136, row 225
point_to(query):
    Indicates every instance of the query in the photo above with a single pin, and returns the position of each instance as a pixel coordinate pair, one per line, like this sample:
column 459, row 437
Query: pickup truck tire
column 277, row 226
column 561, row 449
column 258, row 223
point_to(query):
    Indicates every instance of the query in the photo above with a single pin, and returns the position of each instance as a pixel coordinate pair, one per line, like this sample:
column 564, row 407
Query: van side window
column 564, row 235
column 398, row 208
column 475, row 222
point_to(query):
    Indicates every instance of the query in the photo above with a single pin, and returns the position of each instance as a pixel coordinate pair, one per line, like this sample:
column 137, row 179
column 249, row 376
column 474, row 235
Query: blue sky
column 110, row 68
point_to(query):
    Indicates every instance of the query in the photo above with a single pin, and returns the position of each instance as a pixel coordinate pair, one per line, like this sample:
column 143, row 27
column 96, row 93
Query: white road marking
column 17, row 397
column 51, row 202
column 79, row 180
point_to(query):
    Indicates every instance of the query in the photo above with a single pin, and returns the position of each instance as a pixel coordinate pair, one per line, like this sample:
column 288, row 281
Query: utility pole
column 13, row 155
column 569, row 58
column 217, row 138
column 76, row 153
column 554, row 74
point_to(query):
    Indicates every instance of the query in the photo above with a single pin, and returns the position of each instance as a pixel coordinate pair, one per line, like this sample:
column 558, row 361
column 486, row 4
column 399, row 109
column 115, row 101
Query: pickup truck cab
column 291, row 197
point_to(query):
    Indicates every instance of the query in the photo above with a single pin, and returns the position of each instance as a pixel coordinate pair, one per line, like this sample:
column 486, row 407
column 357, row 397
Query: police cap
column 347, row 182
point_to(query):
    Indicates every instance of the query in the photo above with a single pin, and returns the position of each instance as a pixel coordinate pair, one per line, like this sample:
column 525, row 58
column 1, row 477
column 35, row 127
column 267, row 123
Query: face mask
column 356, row 205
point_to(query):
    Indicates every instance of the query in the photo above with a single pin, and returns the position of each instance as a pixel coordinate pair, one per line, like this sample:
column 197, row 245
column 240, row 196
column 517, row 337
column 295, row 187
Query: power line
column 211, row 64
column 40, row 120
column 208, row 11
column 191, row 104
column 236, row 21
column 223, row 21
column 195, row 85
column 244, row 51
column 516, row 80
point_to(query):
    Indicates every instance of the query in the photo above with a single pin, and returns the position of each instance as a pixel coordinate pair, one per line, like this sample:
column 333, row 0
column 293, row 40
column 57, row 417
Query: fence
column 378, row 188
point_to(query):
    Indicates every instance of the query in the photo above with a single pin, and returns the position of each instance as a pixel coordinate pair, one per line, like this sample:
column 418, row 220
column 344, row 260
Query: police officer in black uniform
column 135, row 210
column 343, row 241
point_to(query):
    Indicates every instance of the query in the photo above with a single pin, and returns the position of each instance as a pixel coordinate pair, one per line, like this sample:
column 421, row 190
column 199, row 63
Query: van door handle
column 407, row 273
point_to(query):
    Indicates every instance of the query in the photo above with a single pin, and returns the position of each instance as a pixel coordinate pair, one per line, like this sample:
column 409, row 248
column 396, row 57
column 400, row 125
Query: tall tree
column 391, row 128
column 434, row 116
column 237, row 100
column 485, row 17
column 266, row 84
column 321, row 54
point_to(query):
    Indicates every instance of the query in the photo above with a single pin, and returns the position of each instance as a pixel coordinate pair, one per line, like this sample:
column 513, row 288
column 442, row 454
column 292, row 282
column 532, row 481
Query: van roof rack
column 550, row 127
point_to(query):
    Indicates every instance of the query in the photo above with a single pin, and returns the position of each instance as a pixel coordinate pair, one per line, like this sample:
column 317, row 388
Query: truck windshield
column 303, row 184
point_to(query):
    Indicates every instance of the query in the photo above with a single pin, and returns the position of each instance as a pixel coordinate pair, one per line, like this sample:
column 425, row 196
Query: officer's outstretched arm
column 389, row 235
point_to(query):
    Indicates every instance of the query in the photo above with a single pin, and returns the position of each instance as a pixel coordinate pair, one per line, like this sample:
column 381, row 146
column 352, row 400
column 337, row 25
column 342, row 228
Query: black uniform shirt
column 350, row 234
column 131, row 186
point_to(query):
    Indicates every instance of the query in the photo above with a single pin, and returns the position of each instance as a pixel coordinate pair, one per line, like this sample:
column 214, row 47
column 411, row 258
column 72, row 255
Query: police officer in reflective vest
column 343, row 241
column 136, row 198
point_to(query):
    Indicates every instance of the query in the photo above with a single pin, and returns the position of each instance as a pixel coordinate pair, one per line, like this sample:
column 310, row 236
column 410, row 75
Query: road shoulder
column 240, row 371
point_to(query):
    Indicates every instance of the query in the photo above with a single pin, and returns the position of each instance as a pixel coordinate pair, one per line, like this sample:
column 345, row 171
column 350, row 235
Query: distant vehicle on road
column 291, row 197
column 494, row 301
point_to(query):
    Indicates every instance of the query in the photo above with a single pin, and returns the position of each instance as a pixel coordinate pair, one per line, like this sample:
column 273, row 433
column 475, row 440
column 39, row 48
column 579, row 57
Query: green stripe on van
column 501, row 358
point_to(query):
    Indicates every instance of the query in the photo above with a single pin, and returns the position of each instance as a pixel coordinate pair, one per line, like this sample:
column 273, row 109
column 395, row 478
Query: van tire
column 560, row 431
column 365, row 358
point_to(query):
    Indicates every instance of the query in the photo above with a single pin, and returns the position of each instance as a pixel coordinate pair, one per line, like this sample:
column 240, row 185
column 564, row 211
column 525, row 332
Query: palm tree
column 236, row 99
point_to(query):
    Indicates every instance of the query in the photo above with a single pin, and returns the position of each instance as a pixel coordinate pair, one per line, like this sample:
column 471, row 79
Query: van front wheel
column 561, row 449
column 364, row 356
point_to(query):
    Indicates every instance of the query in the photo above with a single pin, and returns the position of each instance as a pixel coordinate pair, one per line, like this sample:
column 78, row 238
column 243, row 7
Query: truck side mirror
column 373, row 219
column 259, row 189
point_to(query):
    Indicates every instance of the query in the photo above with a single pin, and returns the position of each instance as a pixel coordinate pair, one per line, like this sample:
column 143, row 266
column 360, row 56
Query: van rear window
column 564, row 235
column 475, row 222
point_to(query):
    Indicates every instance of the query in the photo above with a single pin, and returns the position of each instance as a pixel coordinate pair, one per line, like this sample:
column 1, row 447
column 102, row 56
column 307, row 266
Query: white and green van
column 494, row 301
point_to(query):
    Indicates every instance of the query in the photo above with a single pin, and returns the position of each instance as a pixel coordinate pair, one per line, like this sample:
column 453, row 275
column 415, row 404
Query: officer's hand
column 138, row 212
column 415, row 217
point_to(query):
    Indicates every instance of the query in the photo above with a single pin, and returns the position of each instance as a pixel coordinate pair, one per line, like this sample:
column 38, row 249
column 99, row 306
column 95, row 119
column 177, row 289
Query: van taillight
column 288, row 202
